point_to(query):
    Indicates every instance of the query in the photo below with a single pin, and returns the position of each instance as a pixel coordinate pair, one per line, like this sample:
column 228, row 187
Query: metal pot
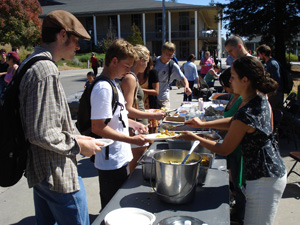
column 147, row 161
column 204, row 168
column 176, row 183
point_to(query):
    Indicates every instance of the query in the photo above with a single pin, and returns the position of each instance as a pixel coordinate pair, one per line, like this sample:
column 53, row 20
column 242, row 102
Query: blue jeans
column 52, row 207
column 185, row 96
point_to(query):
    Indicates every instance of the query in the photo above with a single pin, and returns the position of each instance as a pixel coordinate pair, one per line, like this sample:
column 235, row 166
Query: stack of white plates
column 129, row 216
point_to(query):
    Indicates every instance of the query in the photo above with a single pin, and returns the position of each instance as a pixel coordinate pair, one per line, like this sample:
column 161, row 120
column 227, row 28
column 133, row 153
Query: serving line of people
column 59, row 193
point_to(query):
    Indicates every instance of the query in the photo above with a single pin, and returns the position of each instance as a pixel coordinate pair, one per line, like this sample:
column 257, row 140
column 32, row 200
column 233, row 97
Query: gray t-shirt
column 163, row 75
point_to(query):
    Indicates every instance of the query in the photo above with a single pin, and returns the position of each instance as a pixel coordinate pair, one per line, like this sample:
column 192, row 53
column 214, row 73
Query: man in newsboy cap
column 59, row 193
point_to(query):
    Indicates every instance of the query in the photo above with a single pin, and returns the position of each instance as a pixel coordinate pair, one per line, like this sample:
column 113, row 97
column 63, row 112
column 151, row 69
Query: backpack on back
column 84, row 123
column 14, row 146
column 286, row 79
column 170, row 66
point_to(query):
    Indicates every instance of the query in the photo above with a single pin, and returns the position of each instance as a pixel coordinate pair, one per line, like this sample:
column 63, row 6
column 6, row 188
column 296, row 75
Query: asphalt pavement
column 16, row 202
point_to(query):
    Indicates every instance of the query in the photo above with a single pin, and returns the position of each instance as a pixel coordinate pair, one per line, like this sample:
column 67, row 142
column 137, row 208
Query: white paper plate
column 129, row 216
column 137, row 146
column 105, row 141
column 154, row 138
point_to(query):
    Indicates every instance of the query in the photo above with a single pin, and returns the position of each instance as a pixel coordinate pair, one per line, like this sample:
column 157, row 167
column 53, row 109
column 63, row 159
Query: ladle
column 191, row 150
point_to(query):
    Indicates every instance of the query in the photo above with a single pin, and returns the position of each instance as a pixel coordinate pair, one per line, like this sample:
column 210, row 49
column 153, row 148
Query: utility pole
column 164, row 22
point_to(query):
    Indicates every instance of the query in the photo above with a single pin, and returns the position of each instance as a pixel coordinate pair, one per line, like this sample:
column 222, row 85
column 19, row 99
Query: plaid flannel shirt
column 48, row 127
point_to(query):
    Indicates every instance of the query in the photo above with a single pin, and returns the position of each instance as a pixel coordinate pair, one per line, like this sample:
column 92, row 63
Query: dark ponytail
column 253, row 69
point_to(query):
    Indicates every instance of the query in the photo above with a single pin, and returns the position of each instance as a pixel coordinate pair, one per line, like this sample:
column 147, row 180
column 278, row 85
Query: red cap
column 13, row 55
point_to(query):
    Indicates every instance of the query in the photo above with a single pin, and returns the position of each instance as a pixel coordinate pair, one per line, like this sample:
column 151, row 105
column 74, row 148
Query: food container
column 206, row 164
column 175, row 182
column 146, row 161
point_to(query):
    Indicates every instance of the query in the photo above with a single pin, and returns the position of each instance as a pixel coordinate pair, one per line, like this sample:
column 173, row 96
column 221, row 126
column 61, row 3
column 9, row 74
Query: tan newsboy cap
column 65, row 20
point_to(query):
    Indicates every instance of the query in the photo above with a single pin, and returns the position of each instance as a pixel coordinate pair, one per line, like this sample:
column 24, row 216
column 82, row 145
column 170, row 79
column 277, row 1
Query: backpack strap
column 171, row 64
column 115, row 96
column 182, row 68
column 20, row 72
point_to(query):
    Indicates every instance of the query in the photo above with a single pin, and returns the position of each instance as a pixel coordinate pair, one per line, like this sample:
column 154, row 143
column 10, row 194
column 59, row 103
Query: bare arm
column 154, row 91
column 101, row 129
column 128, row 87
column 233, row 138
column 185, row 83
column 220, row 124
column 214, row 73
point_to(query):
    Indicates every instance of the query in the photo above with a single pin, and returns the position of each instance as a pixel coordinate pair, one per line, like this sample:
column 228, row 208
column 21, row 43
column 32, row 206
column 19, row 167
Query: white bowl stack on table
column 129, row 216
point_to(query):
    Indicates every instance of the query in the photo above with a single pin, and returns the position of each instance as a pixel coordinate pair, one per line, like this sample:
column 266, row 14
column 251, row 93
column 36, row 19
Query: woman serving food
column 251, row 126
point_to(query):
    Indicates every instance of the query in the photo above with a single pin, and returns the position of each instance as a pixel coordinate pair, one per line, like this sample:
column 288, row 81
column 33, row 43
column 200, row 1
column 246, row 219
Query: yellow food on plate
column 166, row 133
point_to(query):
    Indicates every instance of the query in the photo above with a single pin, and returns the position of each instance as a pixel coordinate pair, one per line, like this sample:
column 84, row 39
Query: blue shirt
column 190, row 71
column 273, row 68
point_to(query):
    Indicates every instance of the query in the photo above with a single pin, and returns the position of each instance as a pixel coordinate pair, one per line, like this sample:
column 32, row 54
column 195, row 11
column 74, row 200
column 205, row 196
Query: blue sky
column 204, row 2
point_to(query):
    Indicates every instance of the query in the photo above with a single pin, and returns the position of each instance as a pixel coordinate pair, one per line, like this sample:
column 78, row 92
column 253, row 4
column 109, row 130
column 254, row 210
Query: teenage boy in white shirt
column 112, row 165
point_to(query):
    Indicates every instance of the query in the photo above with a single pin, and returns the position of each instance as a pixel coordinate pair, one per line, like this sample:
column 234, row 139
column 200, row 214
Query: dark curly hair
column 225, row 77
column 253, row 69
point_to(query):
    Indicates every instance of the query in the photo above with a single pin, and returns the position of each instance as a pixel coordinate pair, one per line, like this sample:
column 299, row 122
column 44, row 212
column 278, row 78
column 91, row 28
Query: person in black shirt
column 91, row 77
column 3, row 63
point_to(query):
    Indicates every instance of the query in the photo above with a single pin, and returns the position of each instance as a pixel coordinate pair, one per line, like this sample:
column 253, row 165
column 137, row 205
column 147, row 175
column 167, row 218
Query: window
column 158, row 22
column 184, row 19
column 137, row 20
column 184, row 25
column 89, row 23
column 113, row 24
column 184, row 48
column 158, row 25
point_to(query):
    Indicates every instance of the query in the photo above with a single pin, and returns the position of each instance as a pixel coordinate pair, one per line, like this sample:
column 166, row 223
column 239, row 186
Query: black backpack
column 170, row 66
column 286, row 79
column 14, row 146
column 83, row 123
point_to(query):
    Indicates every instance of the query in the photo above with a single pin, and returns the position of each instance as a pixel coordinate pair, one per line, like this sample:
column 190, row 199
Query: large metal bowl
column 147, row 164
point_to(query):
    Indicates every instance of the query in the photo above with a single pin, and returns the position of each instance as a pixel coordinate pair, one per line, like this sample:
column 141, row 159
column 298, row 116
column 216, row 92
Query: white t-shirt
column 101, row 108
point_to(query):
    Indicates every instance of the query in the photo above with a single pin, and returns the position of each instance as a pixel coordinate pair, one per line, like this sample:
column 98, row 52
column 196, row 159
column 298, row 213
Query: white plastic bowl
column 129, row 216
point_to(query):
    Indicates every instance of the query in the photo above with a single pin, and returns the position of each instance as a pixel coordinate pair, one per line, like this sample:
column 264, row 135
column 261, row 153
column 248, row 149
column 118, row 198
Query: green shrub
column 76, row 62
column 22, row 53
column 291, row 58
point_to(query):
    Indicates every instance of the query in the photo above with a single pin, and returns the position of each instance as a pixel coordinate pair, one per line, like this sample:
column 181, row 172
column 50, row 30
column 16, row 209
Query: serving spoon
column 196, row 143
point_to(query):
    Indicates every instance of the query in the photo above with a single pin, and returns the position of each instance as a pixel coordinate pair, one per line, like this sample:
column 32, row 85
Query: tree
column 276, row 21
column 19, row 22
column 135, row 38
column 110, row 37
